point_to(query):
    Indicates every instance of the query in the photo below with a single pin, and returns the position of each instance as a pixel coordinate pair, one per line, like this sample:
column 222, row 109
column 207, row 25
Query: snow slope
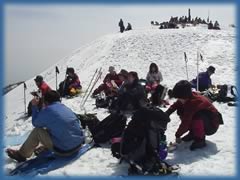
column 135, row 50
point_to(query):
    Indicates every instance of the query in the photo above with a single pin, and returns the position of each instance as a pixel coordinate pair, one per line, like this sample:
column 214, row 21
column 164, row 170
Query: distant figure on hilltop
column 216, row 25
column 121, row 25
column 210, row 25
column 129, row 27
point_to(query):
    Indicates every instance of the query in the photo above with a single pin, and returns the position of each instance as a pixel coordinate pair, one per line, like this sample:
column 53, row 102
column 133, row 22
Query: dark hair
column 211, row 69
column 151, row 66
column 51, row 97
column 133, row 74
column 70, row 70
column 38, row 79
column 182, row 90
column 123, row 73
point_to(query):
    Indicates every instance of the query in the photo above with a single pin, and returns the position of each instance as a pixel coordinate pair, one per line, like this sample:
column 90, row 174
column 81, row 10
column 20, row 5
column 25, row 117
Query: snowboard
column 47, row 161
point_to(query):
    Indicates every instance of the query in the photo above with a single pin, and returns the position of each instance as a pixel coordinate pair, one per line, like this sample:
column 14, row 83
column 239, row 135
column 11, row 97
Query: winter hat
column 70, row 70
column 111, row 68
column 211, row 69
column 52, row 96
column 38, row 79
column 182, row 90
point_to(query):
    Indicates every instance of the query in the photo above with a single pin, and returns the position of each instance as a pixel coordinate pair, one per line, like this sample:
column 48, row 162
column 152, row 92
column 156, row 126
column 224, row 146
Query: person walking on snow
column 56, row 128
column 197, row 114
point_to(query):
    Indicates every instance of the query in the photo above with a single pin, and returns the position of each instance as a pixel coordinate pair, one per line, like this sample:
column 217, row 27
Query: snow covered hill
column 135, row 50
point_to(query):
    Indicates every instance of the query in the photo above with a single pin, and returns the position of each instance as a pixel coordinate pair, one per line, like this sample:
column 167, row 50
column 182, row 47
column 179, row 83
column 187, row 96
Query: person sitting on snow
column 71, row 86
column 56, row 128
column 204, row 79
column 132, row 95
column 43, row 88
column 154, row 78
column 110, row 79
column 197, row 114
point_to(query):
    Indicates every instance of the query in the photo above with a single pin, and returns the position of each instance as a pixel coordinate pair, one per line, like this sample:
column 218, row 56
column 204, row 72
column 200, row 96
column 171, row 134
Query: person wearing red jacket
column 197, row 114
column 111, row 78
column 43, row 88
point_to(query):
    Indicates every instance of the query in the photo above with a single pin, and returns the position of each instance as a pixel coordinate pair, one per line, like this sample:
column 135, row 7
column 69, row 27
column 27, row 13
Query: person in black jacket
column 121, row 25
column 132, row 96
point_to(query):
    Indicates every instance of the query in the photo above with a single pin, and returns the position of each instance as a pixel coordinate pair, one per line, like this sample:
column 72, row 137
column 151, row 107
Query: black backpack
column 88, row 120
column 142, row 135
column 112, row 126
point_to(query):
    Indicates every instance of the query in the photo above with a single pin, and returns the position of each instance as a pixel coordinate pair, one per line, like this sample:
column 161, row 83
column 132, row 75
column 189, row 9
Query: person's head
column 51, row 97
column 132, row 77
column 111, row 70
column 211, row 70
column 182, row 90
column 38, row 80
column 123, row 75
column 153, row 68
column 70, row 71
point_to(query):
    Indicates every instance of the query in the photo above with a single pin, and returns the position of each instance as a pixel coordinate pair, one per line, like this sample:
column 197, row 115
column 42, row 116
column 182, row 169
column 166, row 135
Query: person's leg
column 38, row 135
column 101, row 88
column 198, row 132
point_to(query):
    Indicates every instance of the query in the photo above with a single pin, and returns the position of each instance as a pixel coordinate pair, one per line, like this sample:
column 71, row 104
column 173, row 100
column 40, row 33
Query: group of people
column 57, row 128
column 122, row 27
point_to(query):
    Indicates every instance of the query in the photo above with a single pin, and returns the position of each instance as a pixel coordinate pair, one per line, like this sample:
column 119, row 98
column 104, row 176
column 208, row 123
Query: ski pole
column 90, row 83
column 25, row 87
column 57, row 72
column 197, row 70
column 186, row 61
column 95, row 82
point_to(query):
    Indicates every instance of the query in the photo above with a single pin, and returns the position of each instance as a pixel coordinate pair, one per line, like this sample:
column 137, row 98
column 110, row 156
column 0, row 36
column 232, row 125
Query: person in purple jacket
column 205, row 81
column 56, row 128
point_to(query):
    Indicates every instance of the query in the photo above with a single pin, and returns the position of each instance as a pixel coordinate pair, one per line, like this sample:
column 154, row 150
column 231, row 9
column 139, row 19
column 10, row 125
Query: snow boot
column 198, row 144
column 14, row 154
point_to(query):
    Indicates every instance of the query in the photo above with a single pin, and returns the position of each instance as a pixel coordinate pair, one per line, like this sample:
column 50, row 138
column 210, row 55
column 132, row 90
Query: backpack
column 101, row 102
column 143, row 141
column 112, row 126
column 88, row 120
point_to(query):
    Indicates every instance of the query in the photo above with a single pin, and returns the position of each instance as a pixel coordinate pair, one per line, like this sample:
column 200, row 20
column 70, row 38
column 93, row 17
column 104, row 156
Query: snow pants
column 203, row 124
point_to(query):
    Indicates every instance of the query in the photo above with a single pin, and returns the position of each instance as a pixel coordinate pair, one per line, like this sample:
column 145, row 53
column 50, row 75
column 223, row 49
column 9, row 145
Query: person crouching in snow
column 56, row 128
column 197, row 114
column 71, row 86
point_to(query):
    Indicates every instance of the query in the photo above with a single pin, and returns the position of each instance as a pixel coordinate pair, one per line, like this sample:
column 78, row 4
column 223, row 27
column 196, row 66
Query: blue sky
column 38, row 36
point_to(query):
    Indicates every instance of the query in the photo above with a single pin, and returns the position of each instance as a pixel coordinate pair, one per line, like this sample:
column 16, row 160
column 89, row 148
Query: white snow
column 135, row 50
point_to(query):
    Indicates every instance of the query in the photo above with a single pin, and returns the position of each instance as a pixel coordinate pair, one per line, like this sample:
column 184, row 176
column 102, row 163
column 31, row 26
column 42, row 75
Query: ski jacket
column 44, row 88
column 63, row 125
column 187, row 111
column 73, row 82
column 205, row 81
column 109, row 77
column 154, row 77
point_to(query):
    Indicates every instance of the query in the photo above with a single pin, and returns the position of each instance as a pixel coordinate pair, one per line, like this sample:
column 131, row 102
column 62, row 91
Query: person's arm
column 75, row 83
column 174, row 107
column 160, row 77
column 38, row 116
column 106, row 79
